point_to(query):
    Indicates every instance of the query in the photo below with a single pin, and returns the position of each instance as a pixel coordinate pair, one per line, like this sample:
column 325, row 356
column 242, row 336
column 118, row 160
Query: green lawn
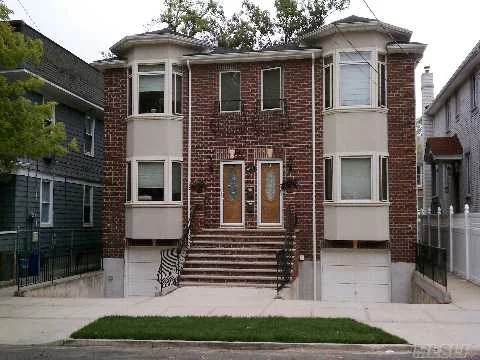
column 268, row 329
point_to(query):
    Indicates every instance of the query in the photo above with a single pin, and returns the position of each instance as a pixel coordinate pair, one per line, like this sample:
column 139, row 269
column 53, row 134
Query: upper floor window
column 230, row 91
column 89, row 136
column 87, row 205
column 328, row 76
column 129, row 91
column 355, row 78
column 46, row 202
column 382, row 81
column 176, row 93
column 468, row 172
column 457, row 106
column 272, row 89
column 474, row 90
column 447, row 115
column 151, row 86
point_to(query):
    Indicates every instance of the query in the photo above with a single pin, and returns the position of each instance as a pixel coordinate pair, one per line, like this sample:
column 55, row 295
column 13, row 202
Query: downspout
column 189, row 156
column 314, row 207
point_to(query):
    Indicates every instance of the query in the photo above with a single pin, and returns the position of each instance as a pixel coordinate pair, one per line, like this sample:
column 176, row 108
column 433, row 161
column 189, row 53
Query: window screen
column 356, row 179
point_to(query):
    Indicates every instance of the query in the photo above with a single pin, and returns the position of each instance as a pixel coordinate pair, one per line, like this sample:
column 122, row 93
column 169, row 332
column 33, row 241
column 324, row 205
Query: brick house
column 452, row 138
column 322, row 132
column 58, row 198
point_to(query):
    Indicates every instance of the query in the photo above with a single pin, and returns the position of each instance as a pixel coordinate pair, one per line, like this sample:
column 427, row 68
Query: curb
column 238, row 345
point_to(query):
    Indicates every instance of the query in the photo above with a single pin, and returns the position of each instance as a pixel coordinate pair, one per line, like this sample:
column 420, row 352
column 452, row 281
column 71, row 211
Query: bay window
column 176, row 93
column 382, row 81
column 151, row 182
column 355, row 78
column 356, row 178
column 151, row 85
column 176, row 181
column 230, row 91
column 328, row 76
column 272, row 89
column 328, row 162
column 383, row 178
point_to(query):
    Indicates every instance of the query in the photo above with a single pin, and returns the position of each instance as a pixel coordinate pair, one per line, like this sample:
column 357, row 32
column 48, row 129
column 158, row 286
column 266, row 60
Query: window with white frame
column 128, row 182
column 89, row 136
column 383, row 178
column 382, row 81
column 129, row 91
column 176, row 93
column 46, row 202
column 151, row 181
column 447, row 115
column 328, row 81
column 355, row 78
column 176, row 181
column 328, row 170
column 230, row 91
column 151, row 88
column 356, row 178
column 87, row 205
column 272, row 89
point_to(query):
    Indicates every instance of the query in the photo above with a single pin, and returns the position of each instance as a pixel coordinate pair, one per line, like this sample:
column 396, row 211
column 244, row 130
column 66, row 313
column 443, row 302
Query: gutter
column 189, row 161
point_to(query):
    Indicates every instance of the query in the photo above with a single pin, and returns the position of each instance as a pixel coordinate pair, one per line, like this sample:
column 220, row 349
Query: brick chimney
column 427, row 88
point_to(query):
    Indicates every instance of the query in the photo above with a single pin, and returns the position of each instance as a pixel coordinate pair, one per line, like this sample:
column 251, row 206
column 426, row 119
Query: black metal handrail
column 432, row 262
column 285, row 256
column 172, row 260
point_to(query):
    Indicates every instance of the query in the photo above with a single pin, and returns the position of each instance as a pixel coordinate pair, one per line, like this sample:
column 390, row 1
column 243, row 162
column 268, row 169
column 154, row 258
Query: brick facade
column 115, row 144
column 402, row 155
column 289, row 133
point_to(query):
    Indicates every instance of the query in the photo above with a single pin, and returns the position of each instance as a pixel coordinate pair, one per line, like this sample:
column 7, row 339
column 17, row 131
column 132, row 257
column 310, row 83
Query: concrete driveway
column 42, row 320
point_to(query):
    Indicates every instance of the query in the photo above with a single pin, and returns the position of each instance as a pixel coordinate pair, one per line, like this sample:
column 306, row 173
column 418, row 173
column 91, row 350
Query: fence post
column 467, row 242
column 429, row 211
column 450, row 227
column 439, row 213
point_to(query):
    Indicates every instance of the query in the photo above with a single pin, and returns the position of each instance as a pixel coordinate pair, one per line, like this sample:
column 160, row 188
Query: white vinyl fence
column 459, row 234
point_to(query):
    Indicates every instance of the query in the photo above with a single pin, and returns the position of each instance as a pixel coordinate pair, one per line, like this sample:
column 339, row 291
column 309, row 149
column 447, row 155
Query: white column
column 467, row 242
column 439, row 213
column 450, row 227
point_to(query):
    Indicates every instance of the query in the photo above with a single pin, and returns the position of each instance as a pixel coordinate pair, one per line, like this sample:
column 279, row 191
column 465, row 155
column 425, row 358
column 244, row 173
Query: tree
column 23, row 129
column 251, row 27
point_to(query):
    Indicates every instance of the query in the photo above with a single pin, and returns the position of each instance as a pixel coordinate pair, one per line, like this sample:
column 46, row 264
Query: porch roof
column 443, row 149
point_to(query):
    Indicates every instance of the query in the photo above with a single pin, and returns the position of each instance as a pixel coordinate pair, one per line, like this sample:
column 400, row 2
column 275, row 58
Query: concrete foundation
column 426, row 291
column 89, row 285
column 402, row 282
column 304, row 286
column 114, row 272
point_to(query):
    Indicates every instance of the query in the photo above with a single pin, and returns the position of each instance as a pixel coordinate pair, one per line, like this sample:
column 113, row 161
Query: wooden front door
column 232, row 193
column 269, row 193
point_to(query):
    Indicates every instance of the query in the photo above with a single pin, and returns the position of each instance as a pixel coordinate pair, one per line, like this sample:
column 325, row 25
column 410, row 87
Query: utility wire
column 28, row 14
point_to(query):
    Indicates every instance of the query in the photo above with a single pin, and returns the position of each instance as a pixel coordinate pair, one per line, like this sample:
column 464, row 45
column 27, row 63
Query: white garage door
column 142, row 267
column 361, row 275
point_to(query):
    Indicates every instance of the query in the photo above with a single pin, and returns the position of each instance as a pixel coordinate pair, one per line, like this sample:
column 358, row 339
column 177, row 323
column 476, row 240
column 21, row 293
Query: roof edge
column 251, row 56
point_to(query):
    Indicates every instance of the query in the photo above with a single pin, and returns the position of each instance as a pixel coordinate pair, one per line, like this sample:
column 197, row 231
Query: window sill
column 155, row 116
column 359, row 203
column 46, row 226
column 355, row 109
column 87, row 225
column 89, row 154
column 154, row 204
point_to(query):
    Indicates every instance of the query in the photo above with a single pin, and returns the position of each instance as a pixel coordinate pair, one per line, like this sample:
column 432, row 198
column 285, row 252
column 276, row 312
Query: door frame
column 230, row 162
column 259, row 193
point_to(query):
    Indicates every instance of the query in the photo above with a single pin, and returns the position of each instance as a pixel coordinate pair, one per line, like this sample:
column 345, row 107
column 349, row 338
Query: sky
column 88, row 27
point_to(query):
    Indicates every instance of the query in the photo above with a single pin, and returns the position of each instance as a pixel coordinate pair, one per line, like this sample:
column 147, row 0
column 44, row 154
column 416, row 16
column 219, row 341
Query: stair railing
column 172, row 260
column 285, row 255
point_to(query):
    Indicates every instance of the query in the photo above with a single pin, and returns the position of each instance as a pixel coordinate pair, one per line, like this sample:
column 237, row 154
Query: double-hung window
column 46, row 202
column 383, row 178
column 176, row 93
column 230, row 91
column 151, row 181
column 151, row 88
column 272, row 89
column 382, row 81
column 129, row 91
column 355, row 78
column 328, row 169
column 176, row 181
column 89, row 132
column 356, row 178
column 328, row 85
column 87, row 205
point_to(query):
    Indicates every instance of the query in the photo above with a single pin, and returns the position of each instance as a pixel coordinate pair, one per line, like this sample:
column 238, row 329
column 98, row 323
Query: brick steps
column 233, row 257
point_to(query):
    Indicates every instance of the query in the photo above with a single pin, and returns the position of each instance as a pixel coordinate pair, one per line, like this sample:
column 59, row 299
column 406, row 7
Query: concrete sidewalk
column 41, row 320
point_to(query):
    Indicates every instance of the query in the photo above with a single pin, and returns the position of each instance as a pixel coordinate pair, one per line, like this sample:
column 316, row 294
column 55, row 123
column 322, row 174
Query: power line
column 382, row 25
column 28, row 14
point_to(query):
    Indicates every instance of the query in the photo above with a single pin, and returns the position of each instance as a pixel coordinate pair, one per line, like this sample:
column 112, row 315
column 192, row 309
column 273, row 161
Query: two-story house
column 324, row 130
column 451, row 125
column 57, row 201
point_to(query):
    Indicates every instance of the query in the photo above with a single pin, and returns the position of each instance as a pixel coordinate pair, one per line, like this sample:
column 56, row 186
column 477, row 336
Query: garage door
column 361, row 275
column 142, row 267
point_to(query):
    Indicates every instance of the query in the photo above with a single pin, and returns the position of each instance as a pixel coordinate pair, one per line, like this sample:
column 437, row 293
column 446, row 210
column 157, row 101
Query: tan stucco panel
column 153, row 222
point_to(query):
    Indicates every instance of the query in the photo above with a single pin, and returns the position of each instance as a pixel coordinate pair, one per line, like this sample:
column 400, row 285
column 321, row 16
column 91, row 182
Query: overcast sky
column 87, row 27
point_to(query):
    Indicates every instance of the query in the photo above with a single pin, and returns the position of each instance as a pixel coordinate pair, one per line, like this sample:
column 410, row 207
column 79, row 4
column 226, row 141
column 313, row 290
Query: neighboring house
column 451, row 125
column 334, row 117
column 59, row 198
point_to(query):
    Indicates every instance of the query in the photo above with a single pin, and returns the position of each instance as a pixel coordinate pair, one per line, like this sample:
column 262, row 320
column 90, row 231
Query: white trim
column 53, row 85
column 281, row 88
column 90, row 223
column 167, row 71
column 50, row 207
column 8, row 232
column 259, row 192
column 220, row 92
column 174, row 93
column 230, row 162
column 39, row 175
